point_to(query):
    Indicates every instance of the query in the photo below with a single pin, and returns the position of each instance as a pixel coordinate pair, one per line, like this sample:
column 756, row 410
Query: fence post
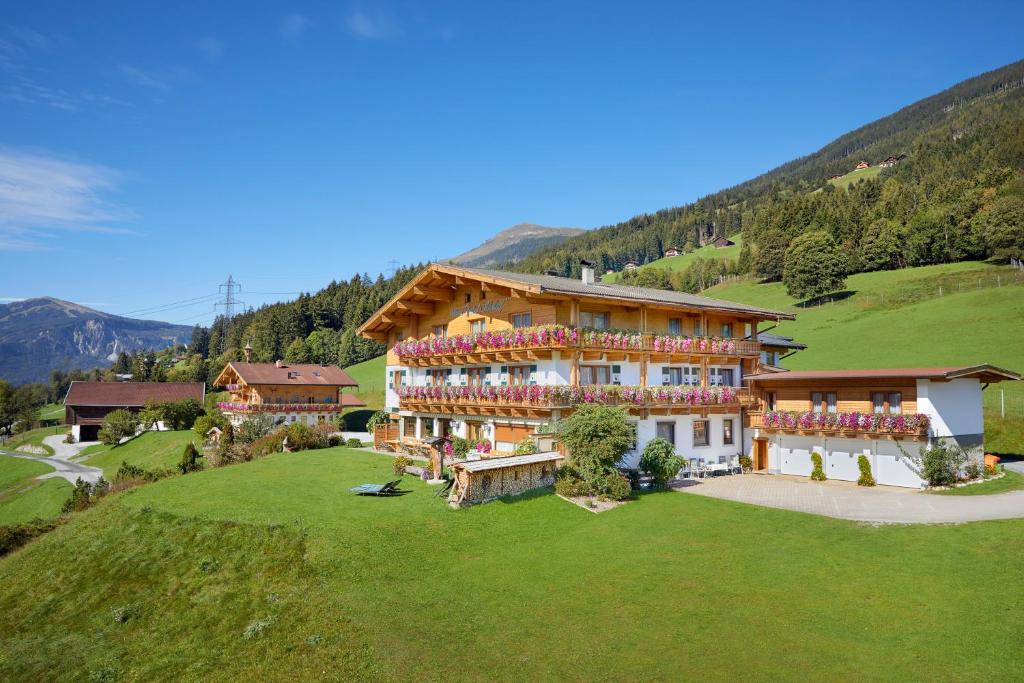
column 1002, row 403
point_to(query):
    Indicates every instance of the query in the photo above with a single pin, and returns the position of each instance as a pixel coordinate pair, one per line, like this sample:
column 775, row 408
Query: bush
column 69, row 438
column 85, row 494
column 117, row 425
column 13, row 536
column 942, row 463
column 613, row 485
column 817, row 474
column 659, row 461
column 525, row 447
column 254, row 428
column 204, row 423
column 597, row 437
column 181, row 414
column 190, row 460
column 746, row 463
column 568, row 483
column 399, row 465
column 866, row 478
column 460, row 446
column 353, row 443
column 128, row 472
column 381, row 417
column 262, row 447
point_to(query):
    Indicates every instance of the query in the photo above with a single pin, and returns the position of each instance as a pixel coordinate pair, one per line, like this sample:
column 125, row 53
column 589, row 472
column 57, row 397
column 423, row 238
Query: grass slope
column 52, row 411
column 34, row 437
column 536, row 588
column 23, row 497
column 898, row 319
column 1010, row 481
column 370, row 375
column 685, row 260
column 150, row 451
column 855, row 176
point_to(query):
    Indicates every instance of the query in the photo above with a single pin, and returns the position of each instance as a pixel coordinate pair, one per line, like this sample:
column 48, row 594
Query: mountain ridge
column 44, row 333
column 514, row 244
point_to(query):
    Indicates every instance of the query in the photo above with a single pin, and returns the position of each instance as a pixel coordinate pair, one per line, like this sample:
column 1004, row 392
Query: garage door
column 891, row 467
column 507, row 436
column 796, row 456
column 842, row 459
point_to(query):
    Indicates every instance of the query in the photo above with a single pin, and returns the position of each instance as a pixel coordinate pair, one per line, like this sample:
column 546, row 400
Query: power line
column 228, row 303
column 169, row 306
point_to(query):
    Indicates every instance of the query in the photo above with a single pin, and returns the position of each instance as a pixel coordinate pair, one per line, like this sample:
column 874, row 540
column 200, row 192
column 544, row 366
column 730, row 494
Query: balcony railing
column 874, row 423
column 280, row 407
column 536, row 396
column 555, row 337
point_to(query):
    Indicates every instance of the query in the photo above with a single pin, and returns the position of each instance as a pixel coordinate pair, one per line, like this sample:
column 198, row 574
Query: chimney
column 277, row 362
column 248, row 352
column 587, row 272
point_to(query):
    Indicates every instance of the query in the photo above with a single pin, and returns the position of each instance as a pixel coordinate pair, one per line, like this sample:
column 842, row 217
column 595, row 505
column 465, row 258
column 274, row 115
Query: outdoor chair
column 376, row 489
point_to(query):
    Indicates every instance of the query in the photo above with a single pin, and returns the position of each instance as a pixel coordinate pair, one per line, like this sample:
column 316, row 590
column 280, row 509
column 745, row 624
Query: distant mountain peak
column 514, row 244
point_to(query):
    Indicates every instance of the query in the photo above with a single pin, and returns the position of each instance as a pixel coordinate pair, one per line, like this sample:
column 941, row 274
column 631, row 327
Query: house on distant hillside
column 837, row 176
column 861, row 165
column 87, row 403
column 721, row 242
column 298, row 392
column 673, row 251
column 630, row 266
column 892, row 161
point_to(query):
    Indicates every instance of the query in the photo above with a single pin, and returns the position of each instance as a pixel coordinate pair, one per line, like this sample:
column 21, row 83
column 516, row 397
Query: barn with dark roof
column 87, row 403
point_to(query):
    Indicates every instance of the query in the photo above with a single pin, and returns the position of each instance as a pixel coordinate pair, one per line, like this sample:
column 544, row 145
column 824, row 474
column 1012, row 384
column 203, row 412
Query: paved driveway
column 61, row 461
column 845, row 500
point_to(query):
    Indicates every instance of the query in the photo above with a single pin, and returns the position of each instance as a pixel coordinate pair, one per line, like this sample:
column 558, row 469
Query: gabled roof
column 986, row 373
column 298, row 374
column 564, row 286
column 131, row 394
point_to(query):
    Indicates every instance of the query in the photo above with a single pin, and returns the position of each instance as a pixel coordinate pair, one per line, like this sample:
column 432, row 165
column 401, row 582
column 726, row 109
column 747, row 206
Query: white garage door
column 891, row 467
column 796, row 455
column 842, row 459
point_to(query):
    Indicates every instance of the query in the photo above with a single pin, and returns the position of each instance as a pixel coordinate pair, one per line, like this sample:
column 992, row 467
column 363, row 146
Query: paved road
column 844, row 500
column 61, row 461
column 1015, row 464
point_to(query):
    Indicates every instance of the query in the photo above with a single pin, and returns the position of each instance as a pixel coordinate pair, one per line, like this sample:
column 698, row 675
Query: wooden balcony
column 256, row 408
column 537, row 401
column 854, row 425
column 538, row 343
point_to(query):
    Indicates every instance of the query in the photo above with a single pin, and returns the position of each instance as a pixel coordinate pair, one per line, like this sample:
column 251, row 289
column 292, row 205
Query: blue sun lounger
column 376, row 489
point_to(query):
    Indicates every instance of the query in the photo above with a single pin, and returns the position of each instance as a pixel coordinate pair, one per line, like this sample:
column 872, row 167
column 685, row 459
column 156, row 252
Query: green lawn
column 899, row 319
column 685, row 260
column 52, row 411
column 23, row 497
column 34, row 437
column 151, row 450
column 370, row 375
column 855, row 176
column 1010, row 481
column 333, row 586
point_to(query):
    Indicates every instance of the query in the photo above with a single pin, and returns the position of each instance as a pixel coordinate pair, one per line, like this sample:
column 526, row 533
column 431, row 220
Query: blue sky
column 147, row 151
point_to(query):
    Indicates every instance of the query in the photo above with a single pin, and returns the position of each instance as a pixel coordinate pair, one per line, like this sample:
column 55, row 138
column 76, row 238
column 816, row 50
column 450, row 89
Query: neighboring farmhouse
column 87, row 403
column 297, row 392
column 861, row 165
column 497, row 356
column 673, row 251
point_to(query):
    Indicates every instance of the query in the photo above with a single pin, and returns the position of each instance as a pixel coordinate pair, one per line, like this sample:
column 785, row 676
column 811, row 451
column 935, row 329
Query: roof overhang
column 985, row 373
column 438, row 282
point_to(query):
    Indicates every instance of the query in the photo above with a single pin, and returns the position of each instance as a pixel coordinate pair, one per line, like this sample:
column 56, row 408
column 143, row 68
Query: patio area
column 846, row 500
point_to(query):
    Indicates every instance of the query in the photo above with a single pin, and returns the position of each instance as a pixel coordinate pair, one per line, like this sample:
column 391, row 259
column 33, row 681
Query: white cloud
column 294, row 25
column 41, row 194
column 210, row 47
column 375, row 25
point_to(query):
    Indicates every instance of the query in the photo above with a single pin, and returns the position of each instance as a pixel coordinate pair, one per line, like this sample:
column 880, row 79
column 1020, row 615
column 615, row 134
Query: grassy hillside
column 23, row 497
column 52, row 411
column 918, row 317
column 685, row 260
column 151, row 450
column 370, row 375
column 34, row 437
column 270, row 571
column 855, row 176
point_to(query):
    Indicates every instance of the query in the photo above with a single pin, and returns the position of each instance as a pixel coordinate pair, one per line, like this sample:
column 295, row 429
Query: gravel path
column 845, row 500
column 61, row 461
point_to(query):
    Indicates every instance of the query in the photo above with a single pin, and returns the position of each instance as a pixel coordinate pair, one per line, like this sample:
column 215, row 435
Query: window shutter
column 504, row 375
column 463, row 381
column 533, row 374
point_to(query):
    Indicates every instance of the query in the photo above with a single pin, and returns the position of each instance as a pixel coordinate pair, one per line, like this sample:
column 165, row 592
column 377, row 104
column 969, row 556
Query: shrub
column 299, row 435
column 746, row 463
column 254, row 428
column 866, row 478
column 69, row 438
column 117, row 425
column 381, row 417
column 973, row 470
column 128, row 472
column 400, row 463
column 817, row 474
column 597, row 437
column 613, row 485
column 190, row 460
column 181, row 414
column 151, row 414
column 460, row 446
column 13, row 536
column 942, row 463
column 207, row 422
column 353, row 443
column 659, row 461
column 525, row 447
column 264, row 446
column 568, row 483
column 256, row 628
column 85, row 494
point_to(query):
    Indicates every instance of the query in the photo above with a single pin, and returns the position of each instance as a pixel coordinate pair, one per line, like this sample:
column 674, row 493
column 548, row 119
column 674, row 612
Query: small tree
column 181, row 414
column 814, row 266
column 596, row 437
column 659, row 461
column 253, row 428
column 771, row 255
column 190, row 460
column 866, row 478
column 151, row 414
column 817, row 474
column 117, row 425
